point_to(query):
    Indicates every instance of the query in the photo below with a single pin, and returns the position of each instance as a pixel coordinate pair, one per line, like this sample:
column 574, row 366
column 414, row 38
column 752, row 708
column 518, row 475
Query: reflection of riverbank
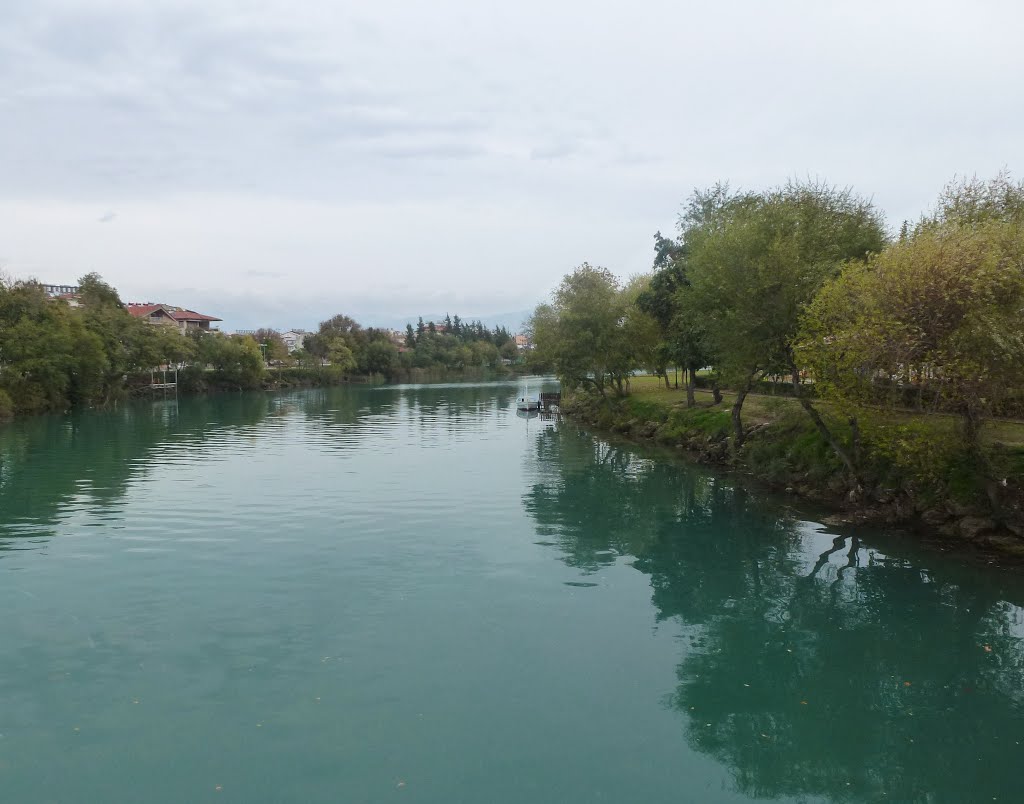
column 813, row 663
column 51, row 464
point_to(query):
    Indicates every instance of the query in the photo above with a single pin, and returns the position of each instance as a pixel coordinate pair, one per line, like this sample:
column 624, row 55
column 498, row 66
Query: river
column 412, row 594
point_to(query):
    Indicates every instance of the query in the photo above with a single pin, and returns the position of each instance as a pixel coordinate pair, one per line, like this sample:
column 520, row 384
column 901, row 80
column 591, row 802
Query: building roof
column 141, row 310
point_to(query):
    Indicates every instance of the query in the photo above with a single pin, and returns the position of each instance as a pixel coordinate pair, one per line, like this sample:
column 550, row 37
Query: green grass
column 765, row 408
column 903, row 450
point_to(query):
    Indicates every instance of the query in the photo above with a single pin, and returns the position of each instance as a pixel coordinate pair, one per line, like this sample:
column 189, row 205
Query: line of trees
column 804, row 281
column 452, row 345
column 54, row 355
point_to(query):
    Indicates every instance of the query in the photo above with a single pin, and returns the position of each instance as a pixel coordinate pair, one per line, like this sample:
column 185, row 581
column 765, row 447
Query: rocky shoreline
column 997, row 527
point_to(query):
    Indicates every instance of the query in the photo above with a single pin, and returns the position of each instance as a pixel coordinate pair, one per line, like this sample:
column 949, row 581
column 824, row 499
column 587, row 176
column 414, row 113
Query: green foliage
column 591, row 332
column 235, row 361
column 939, row 311
column 53, row 355
column 379, row 357
column 753, row 261
column 791, row 448
column 918, row 452
column 454, row 345
column 272, row 345
column 801, row 282
column 37, row 349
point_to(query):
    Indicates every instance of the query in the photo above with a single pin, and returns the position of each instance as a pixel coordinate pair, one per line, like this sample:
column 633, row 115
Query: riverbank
column 912, row 474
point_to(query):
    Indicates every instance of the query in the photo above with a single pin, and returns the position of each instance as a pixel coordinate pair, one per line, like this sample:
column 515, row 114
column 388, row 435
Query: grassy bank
column 913, row 469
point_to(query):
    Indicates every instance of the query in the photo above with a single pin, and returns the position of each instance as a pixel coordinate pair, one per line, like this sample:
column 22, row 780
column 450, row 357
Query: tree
column 683, row 341
column 36, row 348
column 274, row 345
column 316, row 345
column 379, row 357
column 410, row 336
column 509, row 351
column 110, row 334
column 236, row 360
column 753, row 263
column 641, row 331
column 340, row 354
column 584, row 334
column 939, row 311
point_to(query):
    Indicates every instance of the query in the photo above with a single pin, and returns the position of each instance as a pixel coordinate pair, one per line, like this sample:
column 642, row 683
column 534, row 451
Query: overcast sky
column 275, row 162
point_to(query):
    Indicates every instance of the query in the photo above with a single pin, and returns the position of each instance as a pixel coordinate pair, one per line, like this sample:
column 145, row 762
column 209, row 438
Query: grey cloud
column 106, row 217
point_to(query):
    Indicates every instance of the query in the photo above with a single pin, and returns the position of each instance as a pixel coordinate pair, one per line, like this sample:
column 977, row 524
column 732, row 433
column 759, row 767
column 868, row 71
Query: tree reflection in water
column 813, row 664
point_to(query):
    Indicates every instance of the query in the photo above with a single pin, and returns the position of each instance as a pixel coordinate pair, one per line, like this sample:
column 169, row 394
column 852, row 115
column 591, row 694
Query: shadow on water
column 813, row 663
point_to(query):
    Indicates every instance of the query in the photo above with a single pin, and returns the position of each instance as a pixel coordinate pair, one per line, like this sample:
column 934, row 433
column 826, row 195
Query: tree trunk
column 716, row 392
column 690, row 382
column 665, row 375
column 855, row 440
column 737, row 413
column 972, row 431
column 823, row 428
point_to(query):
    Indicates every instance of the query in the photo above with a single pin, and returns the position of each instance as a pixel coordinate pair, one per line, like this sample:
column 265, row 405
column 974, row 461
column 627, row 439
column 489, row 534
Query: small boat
column 526, row 403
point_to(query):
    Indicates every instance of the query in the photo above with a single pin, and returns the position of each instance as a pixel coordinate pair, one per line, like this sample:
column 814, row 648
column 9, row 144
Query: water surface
column 413, row 594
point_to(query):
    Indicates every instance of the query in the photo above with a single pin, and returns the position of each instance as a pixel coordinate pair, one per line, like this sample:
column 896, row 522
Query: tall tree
column 939, row 310
column 583, row 332
column 754, row 262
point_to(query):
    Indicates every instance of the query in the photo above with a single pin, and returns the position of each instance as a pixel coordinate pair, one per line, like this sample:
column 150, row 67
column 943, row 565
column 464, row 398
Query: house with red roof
column 169, row 315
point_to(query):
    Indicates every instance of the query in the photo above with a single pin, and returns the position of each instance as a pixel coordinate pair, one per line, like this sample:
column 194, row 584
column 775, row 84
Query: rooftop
column 142, row 309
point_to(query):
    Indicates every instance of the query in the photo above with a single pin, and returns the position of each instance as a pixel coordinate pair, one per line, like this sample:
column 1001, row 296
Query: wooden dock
column 551, row 400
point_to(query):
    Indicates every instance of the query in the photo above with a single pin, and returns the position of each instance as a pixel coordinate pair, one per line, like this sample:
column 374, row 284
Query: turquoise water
column 412, row 594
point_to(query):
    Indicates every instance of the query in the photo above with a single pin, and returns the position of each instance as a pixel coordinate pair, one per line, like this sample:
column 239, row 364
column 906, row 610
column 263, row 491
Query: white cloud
column 416, row 156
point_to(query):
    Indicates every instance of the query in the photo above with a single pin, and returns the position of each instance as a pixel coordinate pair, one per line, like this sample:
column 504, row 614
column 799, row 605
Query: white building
column 293, row 339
